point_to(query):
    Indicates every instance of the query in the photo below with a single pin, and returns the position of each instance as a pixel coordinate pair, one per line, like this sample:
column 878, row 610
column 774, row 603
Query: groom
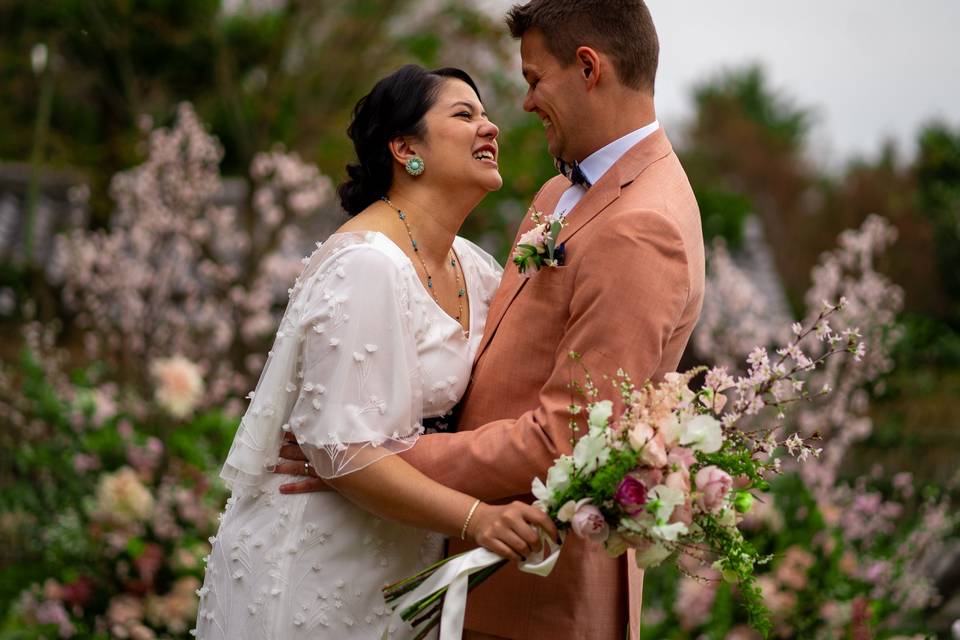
column 627, row 296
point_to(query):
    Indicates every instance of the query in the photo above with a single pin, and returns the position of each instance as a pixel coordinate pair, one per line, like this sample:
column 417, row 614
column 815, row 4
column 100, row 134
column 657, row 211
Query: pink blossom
column 694, row 602
column 713, row 486
column 588, row 523
column 792, row 571
column 52, row 612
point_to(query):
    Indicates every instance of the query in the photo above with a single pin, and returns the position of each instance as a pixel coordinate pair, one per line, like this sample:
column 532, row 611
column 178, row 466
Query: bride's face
column 460, row 145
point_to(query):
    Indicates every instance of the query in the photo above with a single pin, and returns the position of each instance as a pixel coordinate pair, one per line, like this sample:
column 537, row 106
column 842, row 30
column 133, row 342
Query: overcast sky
column 870, row 68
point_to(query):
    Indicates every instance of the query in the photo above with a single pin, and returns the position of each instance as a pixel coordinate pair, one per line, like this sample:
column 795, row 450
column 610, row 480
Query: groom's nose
column 528, row 105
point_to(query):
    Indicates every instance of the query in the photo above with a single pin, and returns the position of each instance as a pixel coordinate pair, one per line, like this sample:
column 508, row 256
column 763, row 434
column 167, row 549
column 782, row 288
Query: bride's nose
column 488, row 130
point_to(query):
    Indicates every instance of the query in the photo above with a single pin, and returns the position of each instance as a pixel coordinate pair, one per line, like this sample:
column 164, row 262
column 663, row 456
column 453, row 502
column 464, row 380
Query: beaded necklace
column 461, row 291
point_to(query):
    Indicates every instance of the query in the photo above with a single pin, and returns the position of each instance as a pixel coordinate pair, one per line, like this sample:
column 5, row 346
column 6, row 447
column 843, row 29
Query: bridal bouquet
column 672, row 474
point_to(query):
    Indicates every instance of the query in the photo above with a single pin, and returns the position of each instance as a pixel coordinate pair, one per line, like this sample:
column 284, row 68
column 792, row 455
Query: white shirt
column 599, row 162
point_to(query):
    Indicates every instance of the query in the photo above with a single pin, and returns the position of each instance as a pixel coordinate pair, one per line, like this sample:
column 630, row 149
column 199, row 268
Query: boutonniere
column 538, row 247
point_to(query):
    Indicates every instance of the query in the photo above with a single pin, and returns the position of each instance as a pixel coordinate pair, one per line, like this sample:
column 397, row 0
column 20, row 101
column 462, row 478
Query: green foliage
column 722, row 213
column 749, row 92
column 938, row 177
column 53, row 510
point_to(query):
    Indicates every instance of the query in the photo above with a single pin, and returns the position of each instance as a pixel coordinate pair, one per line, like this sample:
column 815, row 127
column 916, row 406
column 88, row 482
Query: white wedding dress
column 362, row 355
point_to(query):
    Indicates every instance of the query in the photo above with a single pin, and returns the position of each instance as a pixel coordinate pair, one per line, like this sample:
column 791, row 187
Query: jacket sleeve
column 627, row 297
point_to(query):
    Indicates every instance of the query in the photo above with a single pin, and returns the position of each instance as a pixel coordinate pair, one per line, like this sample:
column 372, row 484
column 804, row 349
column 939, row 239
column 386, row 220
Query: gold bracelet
column 466, row 523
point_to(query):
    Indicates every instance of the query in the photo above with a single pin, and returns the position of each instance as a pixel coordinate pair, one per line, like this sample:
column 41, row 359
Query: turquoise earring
column 414, row 166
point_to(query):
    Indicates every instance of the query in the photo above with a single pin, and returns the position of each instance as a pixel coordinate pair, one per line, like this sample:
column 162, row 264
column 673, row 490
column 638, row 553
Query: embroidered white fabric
column 362, row 354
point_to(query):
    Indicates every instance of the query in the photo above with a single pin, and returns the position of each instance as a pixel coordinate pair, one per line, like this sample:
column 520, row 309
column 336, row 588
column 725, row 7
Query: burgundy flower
column 631, row 494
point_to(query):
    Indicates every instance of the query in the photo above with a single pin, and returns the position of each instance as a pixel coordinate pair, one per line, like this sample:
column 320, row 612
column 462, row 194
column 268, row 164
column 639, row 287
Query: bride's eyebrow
column 469, row 106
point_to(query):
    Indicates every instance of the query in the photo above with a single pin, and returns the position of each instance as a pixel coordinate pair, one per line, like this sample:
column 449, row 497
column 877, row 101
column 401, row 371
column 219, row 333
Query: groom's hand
column 294, row 463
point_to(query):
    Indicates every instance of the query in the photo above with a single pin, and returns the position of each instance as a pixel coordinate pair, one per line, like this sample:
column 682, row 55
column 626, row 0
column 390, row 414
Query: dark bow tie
column 573, row 173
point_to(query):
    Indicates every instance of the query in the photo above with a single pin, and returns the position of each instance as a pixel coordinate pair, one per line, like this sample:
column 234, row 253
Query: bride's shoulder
column 355, row 254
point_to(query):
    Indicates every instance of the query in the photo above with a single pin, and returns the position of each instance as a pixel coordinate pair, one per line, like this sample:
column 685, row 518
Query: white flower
column 558, row 479
column 665, row 499
column 727, row 518
column 565, row 514
column 652, row 556
column 600, row 413
column 616, row 545
column 702, row 433
column 671, row 428
column 179, row 385
column 539, row 491
column 794, row 444
column 122, row 498
column 669, row 531
column 591, row 450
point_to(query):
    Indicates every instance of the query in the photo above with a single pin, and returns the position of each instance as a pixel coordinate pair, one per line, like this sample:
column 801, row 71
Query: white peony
column 702, row 433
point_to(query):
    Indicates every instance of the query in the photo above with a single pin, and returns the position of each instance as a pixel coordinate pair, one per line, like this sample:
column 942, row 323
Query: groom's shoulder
column 662, row 188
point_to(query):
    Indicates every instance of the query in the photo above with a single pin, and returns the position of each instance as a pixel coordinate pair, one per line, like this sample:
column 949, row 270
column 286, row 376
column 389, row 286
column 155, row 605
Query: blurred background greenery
column 83, row 81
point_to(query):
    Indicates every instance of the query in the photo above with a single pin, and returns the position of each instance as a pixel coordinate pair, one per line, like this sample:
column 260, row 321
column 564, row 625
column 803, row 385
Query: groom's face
column 553, row 95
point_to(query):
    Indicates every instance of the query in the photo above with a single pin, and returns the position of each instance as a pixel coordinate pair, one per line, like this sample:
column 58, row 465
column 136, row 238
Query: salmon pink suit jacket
column 627, row 296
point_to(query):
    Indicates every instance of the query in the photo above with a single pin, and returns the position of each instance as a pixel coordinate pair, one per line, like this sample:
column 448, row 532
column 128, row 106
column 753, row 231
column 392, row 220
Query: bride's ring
column 306, row 468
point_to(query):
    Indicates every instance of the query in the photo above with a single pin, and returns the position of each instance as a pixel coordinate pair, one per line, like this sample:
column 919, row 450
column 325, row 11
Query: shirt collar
column 600, row 161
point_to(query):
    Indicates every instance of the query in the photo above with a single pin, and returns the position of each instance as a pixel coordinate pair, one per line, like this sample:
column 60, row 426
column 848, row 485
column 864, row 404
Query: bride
column 379, row 333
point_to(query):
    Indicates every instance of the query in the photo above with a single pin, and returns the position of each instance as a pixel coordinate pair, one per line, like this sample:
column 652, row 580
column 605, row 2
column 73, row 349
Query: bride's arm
column 393, row 489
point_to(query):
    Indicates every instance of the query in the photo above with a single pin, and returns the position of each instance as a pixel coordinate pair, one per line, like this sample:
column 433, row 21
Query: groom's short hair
column 622, row 29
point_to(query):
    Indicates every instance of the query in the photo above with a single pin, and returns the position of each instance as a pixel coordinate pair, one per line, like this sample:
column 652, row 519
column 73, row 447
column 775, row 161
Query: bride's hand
column 511, row 530
column 294, row 463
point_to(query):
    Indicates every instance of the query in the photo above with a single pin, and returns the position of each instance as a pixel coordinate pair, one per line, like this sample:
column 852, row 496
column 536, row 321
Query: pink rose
column 649, row 477
column 588, row 522
column 681, row 457
column 682, row 513
column 640, row 433
column 654, row 453
column 632, row 495
column 680, row 480
column 534, row 237
column 713, row 484
column 649, row 443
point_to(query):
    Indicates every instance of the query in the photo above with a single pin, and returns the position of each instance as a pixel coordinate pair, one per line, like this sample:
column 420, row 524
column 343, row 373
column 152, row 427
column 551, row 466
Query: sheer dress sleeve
column 357, row 380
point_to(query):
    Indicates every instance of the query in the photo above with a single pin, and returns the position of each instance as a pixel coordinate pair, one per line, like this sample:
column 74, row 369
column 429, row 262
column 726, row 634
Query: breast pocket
column 547, row 279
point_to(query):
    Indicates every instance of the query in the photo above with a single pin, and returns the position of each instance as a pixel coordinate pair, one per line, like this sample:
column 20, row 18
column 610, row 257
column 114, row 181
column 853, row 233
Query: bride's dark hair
column 394, row 107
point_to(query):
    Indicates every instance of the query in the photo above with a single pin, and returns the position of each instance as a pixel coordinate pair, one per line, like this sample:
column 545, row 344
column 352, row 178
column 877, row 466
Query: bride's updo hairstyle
column 394, row 107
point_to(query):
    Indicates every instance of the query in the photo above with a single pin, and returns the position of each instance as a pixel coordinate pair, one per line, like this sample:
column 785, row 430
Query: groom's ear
column 589, row 62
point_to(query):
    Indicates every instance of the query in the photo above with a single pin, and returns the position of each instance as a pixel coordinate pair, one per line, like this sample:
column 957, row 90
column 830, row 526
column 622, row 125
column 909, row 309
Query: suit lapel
column 512, row 281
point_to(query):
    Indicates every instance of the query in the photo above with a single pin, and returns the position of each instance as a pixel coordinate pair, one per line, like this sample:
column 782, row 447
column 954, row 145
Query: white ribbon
column 455, row 575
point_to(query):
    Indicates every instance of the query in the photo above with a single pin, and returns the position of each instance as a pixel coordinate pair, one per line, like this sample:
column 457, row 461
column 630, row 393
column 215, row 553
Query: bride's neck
column 434, row 218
